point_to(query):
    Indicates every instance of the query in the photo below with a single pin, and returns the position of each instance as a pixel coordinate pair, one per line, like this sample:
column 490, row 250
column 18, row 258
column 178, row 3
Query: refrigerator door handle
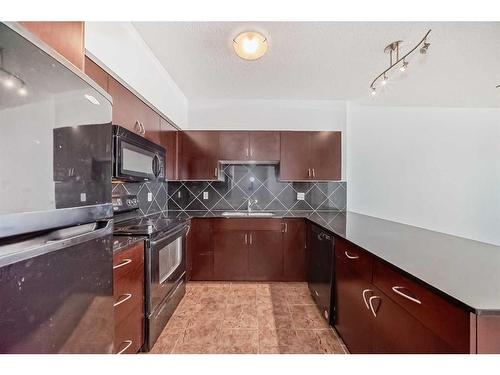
column 47, row 243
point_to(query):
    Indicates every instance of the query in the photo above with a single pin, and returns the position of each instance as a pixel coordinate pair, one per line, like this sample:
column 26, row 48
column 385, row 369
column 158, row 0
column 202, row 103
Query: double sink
column 247, row 214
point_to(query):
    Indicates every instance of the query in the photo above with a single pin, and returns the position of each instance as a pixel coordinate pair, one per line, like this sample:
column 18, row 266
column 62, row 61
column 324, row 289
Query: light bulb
column 384, row 81
column 8, row 83
column 22, row 91
column 250, row 44
column 374, row 91
column 404, row 66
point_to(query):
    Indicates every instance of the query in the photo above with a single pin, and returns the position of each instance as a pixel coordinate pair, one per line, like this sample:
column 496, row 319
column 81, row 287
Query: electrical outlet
column 150, row 197
column 205, row 195
column 301, row 196
column 83, row 197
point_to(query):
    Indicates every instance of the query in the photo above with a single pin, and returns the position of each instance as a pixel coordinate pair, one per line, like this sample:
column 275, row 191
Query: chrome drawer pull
column 129, row 342
column 371, row 305
column 396, row 289
column 364, row 297
column 123, row 263
column 351, row 256
column 120, row 300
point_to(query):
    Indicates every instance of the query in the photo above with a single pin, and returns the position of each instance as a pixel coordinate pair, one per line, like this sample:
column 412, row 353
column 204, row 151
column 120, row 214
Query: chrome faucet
column 250, row 203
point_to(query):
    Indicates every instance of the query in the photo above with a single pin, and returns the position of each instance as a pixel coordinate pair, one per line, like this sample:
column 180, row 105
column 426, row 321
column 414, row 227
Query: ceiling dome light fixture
column 250, row 45
column 393, row 48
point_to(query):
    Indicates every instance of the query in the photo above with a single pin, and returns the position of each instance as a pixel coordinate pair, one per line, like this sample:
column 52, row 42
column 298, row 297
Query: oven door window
column 170, row 258
column 136, row 161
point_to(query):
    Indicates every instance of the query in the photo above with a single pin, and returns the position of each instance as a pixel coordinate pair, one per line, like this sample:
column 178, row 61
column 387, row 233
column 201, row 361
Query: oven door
column 166, row 265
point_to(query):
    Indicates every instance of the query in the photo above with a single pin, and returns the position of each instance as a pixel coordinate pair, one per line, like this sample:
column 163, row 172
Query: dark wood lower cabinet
column 200, row 254
column 294, row 250
column 265, row 255
column 230, row 254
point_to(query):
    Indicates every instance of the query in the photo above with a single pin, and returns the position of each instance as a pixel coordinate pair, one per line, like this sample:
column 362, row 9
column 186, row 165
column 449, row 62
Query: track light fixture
column 10, row 80
column 394, row 59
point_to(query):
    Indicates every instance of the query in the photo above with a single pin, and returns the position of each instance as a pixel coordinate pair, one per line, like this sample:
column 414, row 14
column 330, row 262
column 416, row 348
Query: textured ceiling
column 332, row 60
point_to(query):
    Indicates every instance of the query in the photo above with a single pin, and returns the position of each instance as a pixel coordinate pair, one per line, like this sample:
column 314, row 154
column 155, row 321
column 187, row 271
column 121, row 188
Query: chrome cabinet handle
column 138, row 127
column 123, row 263
column 216, row 170
column 247, row 152
column 314, row 174
column 246, row 238
column 286, row 227
column 251, row 238
column 351, row 256
column 309, row 172
column 251, row 152
column 121, row 300
column 143, row 131
column 396, row 289
column 129, row 342
column 364, row 297
column 371, row 305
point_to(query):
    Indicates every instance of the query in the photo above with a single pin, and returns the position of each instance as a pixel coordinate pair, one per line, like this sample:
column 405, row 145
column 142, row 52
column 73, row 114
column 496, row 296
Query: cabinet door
column 265, row 260
column 97, row 74
column 395, row 331
column 294, row 164
column 198, row 157
column 67, row 38
column 264, row 146
column 233, row 145
column 127, row 107
column 151, row 122
column 294, row 243
column 230, row 255
column 199, row 250
column 169, row 140
column 325, row 155
column 353, row 319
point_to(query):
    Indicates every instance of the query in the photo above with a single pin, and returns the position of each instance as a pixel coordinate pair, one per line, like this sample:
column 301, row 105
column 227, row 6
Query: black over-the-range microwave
column 136, row 158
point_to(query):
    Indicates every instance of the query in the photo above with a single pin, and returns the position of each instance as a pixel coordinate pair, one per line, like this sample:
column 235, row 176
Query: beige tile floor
column 248, row 318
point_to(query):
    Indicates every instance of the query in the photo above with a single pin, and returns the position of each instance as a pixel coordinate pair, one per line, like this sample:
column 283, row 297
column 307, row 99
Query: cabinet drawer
column 448, row 321
column 129, row 262
column 127, row 298
column 355, row 259
column 129, row 334
column 247, row 224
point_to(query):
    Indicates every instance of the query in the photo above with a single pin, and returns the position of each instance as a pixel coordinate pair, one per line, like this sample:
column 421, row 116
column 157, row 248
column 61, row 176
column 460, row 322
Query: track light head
column 384, row 80
column 404, row 66
column 424, row 49
column 374, row 91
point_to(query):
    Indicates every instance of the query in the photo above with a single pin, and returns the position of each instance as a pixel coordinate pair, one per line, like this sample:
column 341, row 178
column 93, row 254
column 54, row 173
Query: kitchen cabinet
column 128, row 292
column 199, row 155
column 200, row 254
column 260, row 146
column 294, row 248
column 67, row 38
column 310, row 156
column 169, row 139
column 133, row 114
column 97, row 74
column 265, row 258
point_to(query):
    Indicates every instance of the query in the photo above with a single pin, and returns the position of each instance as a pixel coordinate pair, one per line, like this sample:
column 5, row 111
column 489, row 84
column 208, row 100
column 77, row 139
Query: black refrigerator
column 56, row 286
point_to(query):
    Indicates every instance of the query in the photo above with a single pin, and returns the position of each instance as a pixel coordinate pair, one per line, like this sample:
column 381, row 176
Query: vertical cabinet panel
column 230, row 255
column 169, row 138
column 265, row 255
column 264, row 146
column 325, row 155
column 97, row 74
column 294, row 157
column 200, row 251
column 294, row 242
column 233, row 145
column 199, row 159
column 67, row 38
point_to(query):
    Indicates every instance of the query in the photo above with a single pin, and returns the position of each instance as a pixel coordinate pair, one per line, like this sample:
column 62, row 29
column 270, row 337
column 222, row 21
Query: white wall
column 120, row 48
column 436, row 168
column 270, row 115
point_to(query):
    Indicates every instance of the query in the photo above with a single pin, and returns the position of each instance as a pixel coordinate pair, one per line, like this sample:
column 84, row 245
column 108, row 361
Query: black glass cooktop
column 146, row 225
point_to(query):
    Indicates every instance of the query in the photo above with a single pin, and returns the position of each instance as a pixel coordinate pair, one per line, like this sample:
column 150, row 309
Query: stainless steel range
column 165, row 263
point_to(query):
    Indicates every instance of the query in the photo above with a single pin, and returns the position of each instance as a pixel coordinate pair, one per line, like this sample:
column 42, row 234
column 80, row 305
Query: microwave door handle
column 155, row 165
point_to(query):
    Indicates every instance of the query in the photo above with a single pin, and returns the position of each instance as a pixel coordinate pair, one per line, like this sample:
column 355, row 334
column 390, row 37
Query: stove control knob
column 129, row 202
column 134, row 201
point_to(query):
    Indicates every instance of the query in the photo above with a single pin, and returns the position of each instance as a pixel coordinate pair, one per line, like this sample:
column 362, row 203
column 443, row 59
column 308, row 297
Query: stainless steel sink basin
column 246, row 214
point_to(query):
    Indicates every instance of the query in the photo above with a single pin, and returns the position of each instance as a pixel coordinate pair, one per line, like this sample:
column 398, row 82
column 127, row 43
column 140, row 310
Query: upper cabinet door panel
column 264, row 146
column 67, row 38
column 169, row 140
column 326, row 155
column 127, row 107
column 199, row 159
column 151, row 122
column 97, row 74
column 295, row 156
column 233, row 145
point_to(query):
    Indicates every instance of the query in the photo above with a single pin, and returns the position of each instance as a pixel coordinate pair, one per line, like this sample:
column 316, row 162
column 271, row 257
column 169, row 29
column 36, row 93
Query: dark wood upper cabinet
column 294, row 160
column 233, row 145
column 294, row 243
column 67, row 38
column 151, row 123
column 97, row 74
column 326, row 158
column 310, row 156
column 199, row 155
column 169, row 139
column 264, row 146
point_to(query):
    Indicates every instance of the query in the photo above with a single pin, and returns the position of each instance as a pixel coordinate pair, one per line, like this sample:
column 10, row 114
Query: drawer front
column 129, row 261
column 446, row 320
column 247, row 224
column 129, row 334
column 127, row 299
column 355, row 259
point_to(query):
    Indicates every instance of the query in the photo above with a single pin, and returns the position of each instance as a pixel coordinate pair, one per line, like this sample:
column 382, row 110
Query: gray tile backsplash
column 141, row 189
column 256, row 182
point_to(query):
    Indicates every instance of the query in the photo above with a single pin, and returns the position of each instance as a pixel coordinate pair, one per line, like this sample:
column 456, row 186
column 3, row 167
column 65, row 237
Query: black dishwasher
column 320, row 258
